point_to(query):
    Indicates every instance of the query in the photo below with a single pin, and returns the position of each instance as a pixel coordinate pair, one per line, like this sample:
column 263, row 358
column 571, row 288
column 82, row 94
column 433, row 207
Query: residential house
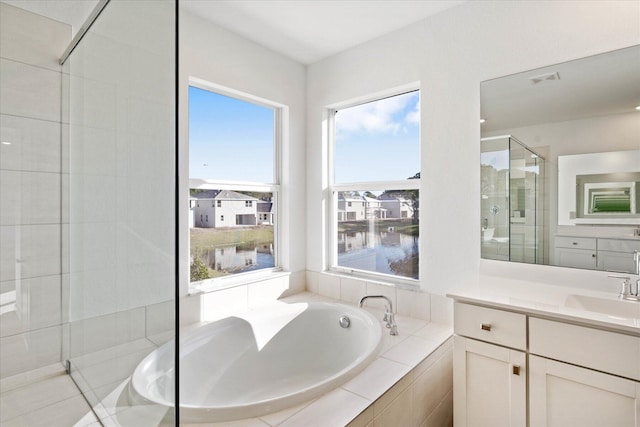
column 223, row 208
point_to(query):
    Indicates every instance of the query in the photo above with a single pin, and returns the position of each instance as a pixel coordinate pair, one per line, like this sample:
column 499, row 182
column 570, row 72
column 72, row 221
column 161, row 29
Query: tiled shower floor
column 52, row 401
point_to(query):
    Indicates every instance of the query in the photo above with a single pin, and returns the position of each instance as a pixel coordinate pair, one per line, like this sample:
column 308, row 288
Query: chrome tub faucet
column 389, row 317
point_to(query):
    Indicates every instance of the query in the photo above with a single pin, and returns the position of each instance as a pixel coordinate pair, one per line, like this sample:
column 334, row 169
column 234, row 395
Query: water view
column 217, row 252
column 388, row 252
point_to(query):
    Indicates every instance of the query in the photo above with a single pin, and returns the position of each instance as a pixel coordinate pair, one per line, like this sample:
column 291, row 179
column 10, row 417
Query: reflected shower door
column 494, row 203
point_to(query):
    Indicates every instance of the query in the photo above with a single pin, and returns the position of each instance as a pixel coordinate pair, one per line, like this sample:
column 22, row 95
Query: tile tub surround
column 409, row 384
column 409, row 381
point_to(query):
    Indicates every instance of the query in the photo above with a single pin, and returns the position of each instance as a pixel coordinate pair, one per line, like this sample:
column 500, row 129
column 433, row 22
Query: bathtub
column 261, row 361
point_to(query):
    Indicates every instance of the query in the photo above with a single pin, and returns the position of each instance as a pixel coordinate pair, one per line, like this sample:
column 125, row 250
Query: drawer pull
column 574, row 243
column 485, row 326
column 516, row 370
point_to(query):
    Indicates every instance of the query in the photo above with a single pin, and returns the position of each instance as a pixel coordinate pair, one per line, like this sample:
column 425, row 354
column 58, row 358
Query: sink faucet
column 626, row 290
column 389, row 317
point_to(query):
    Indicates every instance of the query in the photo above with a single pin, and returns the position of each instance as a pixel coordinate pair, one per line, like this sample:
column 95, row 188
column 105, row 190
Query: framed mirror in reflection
column 560, row 164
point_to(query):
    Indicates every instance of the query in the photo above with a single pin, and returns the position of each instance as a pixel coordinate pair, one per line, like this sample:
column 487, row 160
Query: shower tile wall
column 30, row 200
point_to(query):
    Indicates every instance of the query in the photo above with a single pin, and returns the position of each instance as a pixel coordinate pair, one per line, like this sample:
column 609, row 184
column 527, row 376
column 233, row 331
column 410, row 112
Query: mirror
column 560, row 164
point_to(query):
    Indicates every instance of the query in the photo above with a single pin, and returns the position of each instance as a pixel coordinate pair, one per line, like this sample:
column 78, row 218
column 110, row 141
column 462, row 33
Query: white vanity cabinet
column 573, row 375
column 490, row 381
column 617, row 255
column 564, row 395
column 592, row 253
column 576, row 252
column 581, row 376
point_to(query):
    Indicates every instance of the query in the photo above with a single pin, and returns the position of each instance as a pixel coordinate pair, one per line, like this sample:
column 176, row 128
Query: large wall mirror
column 560, row 164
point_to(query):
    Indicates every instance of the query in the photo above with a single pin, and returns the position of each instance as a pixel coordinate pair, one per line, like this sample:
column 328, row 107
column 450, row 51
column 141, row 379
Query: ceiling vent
column 549, row 77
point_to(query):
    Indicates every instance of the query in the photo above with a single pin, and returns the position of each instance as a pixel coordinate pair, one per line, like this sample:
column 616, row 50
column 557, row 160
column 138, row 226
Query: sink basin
column 611, row 307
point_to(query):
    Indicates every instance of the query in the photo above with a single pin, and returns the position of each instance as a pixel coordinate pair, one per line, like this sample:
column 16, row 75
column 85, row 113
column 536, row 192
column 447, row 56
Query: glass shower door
column 494, row 203
column 512, row 201
column 119, row 246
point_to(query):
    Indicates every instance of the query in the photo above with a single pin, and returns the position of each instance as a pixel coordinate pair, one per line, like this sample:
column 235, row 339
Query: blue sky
column 378, row 141
column 229, row 139
column 232, row 140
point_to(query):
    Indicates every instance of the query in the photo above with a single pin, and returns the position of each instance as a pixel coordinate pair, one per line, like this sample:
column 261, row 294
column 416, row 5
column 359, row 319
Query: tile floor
column 51, row 401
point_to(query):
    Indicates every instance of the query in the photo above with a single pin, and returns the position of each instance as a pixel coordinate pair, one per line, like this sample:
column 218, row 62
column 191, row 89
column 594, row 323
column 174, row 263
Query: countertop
column 556, row 302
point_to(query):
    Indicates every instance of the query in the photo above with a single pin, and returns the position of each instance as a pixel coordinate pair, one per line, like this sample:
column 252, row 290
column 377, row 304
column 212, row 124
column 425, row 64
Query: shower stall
column 512, row 201
column 119, row 245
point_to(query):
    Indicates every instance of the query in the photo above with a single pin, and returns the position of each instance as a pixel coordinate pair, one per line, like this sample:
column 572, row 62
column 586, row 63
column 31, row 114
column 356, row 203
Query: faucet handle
column 625, row 288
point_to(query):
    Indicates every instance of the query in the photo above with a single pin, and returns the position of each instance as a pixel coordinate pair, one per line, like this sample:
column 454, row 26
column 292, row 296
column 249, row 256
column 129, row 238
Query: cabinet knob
column 516, row 370
column 485, row 326
column 593, row 255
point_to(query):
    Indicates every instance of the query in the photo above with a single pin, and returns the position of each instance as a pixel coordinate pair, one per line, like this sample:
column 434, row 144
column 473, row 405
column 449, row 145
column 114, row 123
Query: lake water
column 386, row 252
column 382, row 252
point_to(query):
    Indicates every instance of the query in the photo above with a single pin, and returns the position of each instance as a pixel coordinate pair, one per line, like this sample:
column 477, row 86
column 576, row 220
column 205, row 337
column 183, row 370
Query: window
column 227, row 134
column 375, row 187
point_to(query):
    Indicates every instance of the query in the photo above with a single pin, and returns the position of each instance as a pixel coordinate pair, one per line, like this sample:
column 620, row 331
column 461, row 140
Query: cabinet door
column 578, row 258
column 563, row 395
column 621, row 262
column 489, row 385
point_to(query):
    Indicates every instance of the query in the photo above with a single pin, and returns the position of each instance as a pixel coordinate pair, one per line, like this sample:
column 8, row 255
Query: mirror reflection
column 560, row 164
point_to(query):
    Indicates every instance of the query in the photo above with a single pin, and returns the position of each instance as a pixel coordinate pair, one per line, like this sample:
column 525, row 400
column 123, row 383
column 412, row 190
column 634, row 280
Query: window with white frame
column 375, row 172
column 227, row 132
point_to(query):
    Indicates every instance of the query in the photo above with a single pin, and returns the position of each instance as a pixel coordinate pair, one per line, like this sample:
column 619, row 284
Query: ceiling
column 303, row 30
column 310, row 30
column 598, row 85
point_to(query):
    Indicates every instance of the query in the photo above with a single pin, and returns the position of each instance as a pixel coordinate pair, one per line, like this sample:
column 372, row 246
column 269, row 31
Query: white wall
column 450, row 54
column 218, row 56
column 30, row 199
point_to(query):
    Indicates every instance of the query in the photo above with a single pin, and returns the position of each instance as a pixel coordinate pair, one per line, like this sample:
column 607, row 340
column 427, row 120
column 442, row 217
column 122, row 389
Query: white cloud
column 379, row 116
column 413, row 116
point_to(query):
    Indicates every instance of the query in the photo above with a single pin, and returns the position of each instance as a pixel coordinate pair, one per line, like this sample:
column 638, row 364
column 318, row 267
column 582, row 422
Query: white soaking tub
column 261, row 361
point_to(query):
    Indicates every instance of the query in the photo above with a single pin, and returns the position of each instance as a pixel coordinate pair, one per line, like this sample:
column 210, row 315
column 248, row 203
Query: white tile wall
column 29, row 251
column 35, row 144
column 36, row 304
column 20, row 41
column 30, row 199
column 29, row 91
column 29, row 350
column 414, row 303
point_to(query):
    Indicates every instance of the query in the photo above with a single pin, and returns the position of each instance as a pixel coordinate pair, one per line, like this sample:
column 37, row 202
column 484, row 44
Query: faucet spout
column 389, row 316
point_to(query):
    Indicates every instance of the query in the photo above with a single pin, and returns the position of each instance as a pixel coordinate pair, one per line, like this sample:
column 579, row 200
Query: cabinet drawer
column 491, row 325
column 575, row 242
column 610, row 352
column 618, row 245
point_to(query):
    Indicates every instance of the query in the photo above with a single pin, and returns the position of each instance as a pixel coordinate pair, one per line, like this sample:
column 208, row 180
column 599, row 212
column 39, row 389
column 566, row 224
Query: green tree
column 199, row 270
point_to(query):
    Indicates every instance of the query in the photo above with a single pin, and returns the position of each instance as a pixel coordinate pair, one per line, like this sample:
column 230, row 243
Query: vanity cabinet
column 573, row 375
column 592, row 253
column 490, row 381
column 576, row 252
column 581, row 376
column 564, row 395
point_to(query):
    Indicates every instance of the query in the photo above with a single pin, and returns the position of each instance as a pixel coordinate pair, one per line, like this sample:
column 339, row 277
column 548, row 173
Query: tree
column 199, row 270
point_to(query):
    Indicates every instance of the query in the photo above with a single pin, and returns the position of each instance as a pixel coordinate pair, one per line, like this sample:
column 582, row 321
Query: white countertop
column 543, row 300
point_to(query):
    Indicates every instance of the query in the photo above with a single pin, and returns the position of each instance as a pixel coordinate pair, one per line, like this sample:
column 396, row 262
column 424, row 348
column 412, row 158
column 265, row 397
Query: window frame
column 275, row 187
column 335, row 188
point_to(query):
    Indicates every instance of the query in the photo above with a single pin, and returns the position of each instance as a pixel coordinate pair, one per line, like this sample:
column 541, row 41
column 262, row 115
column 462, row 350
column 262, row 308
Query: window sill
column 396, row 282
column 211, row 285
